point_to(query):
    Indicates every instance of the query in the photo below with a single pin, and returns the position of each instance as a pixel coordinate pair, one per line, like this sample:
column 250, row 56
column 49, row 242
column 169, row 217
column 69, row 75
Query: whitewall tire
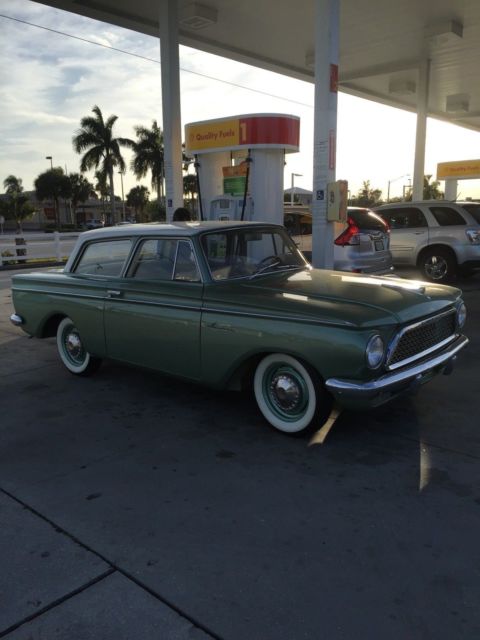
column 290, row 394
column 72, row 351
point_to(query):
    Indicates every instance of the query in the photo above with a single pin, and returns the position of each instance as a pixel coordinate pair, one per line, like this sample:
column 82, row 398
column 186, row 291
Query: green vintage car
column 235, row 304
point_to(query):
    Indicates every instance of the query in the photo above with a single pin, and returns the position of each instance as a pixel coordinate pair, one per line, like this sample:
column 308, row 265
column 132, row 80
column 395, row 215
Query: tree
column 102, row 150
column 138, row 199
column 53, row 185
column 431, row 190
column 190, row 188
column 80, row 190
column 17, row 205
column 149, row 156
column 367, row 196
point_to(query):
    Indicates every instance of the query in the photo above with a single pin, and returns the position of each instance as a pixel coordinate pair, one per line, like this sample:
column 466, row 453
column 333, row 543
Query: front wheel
column 72, row 352
column 290, row 395
column 438, row 265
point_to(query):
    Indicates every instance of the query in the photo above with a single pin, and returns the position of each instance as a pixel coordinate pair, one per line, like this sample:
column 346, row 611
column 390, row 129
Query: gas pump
column 240, row 163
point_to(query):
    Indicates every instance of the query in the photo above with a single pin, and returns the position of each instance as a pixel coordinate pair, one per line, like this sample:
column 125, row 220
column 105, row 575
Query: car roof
column 410, row 203
column 171, row 229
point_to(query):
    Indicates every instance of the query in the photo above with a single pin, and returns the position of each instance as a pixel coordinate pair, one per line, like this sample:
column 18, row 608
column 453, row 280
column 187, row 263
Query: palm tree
column 431, row 190
column 149, row 156
column 102, row 149
column 137, row 198
column 81, row 190
column 367, row 196
column 17, row 205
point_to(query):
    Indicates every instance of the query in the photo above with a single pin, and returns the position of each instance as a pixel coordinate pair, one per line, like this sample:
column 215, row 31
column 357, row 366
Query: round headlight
column 374, row 352
column 461, row 315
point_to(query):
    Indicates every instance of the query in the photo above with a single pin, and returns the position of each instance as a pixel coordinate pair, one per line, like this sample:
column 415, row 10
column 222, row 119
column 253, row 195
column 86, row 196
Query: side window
column 164, row 259
column 404, row 218
column 446, row 216
column 104, row 258
column 154, row 260
column 185, row 265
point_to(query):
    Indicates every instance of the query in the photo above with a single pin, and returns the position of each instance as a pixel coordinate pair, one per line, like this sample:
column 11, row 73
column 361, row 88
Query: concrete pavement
column 135, row 506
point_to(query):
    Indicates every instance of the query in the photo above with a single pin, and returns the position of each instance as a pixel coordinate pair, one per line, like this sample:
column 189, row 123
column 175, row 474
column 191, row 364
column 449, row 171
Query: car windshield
column 243, row 253
column 474, row 210
column 367, row 220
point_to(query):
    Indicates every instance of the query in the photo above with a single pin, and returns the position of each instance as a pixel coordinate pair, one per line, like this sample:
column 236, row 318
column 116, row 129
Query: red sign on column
column 334, row 78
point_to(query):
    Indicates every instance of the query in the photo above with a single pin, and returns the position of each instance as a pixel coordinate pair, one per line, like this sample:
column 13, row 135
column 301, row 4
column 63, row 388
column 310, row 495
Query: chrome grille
column 421, row 338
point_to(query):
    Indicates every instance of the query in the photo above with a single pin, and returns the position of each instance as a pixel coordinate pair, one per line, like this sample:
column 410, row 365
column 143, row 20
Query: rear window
column 473, row 210
column 367, row 220
column 104, row 258
column 447, row 217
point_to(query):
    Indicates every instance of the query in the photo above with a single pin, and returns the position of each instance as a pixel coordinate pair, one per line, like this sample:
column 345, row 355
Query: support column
column 421, row 133
column 451, row 187
column 172, row 132
column 325, row 126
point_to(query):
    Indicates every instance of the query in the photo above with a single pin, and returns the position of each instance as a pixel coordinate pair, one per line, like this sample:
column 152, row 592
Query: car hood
column 337, row 297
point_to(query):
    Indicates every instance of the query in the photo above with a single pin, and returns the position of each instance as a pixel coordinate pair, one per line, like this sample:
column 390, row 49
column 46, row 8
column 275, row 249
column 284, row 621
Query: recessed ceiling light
column 402, row 87
column 197, row 16
column 458, row 103
column 444, row 32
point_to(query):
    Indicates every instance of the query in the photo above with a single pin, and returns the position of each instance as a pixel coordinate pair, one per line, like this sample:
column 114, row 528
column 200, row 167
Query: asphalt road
column 135, row 506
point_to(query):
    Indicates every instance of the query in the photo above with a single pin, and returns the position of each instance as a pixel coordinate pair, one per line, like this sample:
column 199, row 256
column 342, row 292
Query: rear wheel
column 290, row 395
column 438, row 265
column 72, row 351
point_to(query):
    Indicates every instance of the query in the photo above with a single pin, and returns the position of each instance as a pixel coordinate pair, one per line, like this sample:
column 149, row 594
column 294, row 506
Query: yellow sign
column 225, row 133
column 459, row 170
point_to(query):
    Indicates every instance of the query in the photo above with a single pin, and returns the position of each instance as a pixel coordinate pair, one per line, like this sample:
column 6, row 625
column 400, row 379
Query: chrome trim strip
column 59, row 293
column 365, row 390
column 264, row 316
column 267, row 316
column 17, row 320
column 168, row 305
column 393, row 345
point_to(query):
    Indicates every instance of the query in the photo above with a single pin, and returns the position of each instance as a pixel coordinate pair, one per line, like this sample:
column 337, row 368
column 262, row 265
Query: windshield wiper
column 277, row 266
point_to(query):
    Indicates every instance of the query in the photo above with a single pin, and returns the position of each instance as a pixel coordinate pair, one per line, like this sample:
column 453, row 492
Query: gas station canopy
column 381, row 43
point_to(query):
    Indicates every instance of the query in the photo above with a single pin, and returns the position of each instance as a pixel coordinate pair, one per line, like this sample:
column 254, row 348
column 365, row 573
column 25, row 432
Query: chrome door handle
column 113, row 293
column 219, row 325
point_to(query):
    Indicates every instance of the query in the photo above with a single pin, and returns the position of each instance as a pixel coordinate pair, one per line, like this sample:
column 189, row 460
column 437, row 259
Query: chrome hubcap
column 285, row 392
column 73, row 347
column 436, row 267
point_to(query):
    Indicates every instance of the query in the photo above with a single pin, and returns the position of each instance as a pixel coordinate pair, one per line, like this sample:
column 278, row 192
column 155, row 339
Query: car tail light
column 350, row 236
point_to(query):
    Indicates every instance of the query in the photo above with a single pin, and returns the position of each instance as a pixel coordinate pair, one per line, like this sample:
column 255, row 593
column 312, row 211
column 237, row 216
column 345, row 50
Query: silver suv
column 360, row 245
column 441, row 238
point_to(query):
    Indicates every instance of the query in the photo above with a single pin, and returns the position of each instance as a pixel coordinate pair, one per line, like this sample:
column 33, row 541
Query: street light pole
column 123, row 199
column 55, row 208
column 405, row 175
column 293, row 186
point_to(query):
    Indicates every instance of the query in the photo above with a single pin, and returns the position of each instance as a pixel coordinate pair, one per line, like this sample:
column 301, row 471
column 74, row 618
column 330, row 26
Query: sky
column 49, row 81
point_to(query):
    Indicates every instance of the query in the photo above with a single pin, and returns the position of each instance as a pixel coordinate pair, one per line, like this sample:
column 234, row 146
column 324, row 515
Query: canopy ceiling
column 381, row 43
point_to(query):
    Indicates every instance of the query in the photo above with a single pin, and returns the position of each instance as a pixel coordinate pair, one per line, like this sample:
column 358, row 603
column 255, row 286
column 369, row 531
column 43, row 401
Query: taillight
column 350, row 236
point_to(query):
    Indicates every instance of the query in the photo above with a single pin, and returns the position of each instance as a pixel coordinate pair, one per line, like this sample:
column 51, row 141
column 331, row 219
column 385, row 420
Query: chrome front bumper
column 353, row 394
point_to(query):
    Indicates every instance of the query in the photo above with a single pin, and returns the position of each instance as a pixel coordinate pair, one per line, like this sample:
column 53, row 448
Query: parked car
column 94, row 223
column 361, row 244
column 235, row 305
column 441, row 238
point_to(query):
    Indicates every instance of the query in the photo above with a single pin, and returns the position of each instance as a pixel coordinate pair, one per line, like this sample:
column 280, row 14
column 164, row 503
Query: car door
column 408, row 232
column 152, row 315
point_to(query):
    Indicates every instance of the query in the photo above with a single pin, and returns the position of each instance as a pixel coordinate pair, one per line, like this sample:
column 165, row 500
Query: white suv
column 441, row 238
